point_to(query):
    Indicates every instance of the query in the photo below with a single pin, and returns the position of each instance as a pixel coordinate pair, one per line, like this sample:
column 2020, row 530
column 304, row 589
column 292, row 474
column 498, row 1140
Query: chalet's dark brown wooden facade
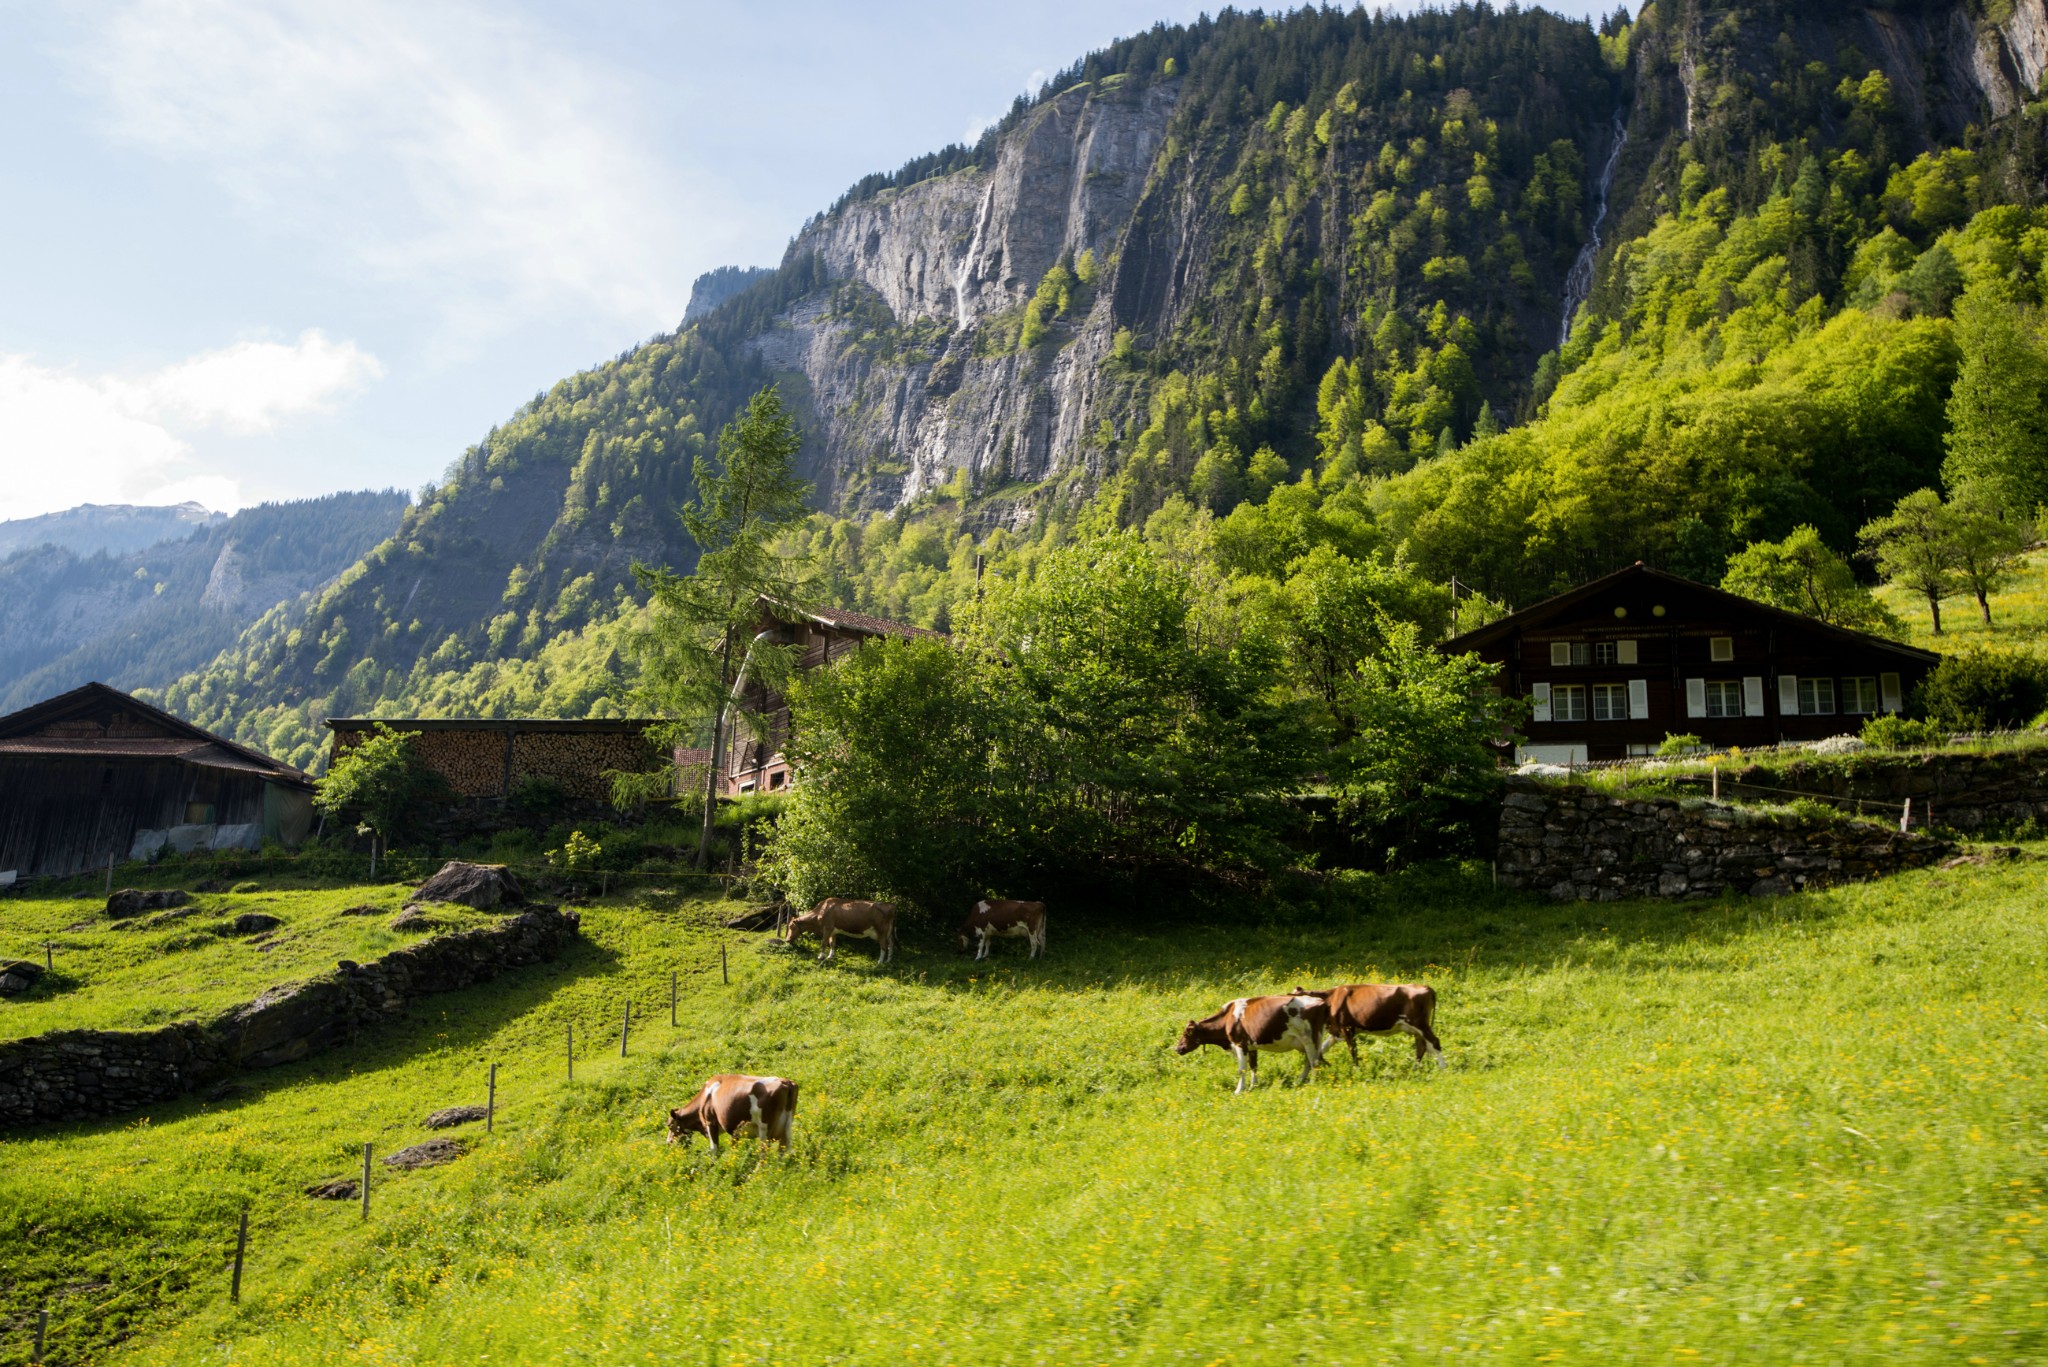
column 1616, row 665
column 94, row 774
column 753, row 761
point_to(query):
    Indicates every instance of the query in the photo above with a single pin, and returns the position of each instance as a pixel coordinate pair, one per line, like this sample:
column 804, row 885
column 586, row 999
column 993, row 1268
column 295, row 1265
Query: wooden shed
column 93, row 775
column 489, row 757
column 1614, row 666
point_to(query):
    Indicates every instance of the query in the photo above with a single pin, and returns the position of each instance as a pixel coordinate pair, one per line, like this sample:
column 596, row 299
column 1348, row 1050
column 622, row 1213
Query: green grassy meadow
column 159, row 967
column 1813, row 1129
column 2019, row 615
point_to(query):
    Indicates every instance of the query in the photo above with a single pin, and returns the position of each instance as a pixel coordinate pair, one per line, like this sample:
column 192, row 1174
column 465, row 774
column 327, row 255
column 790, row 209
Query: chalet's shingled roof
column 1537, row 615
column 855, row 621
column 187, row 744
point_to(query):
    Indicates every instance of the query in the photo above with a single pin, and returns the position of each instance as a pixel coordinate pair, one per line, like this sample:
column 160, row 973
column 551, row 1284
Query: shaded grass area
column 1810, row 1129
column 159, row 967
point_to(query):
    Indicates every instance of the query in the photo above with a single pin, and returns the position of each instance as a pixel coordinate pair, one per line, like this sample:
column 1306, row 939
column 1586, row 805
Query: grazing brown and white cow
column 991, row 918
column 736, row 1104
column 1250, row 1024
column 1381, row 1009
column 836, row 916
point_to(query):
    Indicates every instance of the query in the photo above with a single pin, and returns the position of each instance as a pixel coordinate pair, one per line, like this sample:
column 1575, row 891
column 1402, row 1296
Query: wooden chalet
column 754, row 763
column 1614, row 666
column 95, row 775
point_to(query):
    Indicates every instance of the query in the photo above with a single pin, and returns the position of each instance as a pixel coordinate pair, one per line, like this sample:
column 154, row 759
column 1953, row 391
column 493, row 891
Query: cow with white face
column 1250, row 1024
column 1011, row 920
column 737, row 1105
column 837, row 916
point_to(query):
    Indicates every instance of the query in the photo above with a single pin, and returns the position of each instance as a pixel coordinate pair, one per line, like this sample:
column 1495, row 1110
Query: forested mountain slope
column 142, row 618
column 1282, row 282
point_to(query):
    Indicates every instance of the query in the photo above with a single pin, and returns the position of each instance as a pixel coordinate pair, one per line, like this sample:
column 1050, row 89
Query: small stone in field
column 427, row 1153
column 451, row 1116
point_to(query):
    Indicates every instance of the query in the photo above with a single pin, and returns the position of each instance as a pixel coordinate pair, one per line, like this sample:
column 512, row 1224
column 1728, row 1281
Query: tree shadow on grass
column 1402, row 926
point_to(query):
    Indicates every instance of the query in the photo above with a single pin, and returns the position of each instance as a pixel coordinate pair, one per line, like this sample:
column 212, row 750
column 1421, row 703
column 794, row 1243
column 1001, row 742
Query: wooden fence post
column 42, row 1329
column 241, row 1247
column 723, row 975
column 49, row 957
column 491, row 1101
column 366, row 1181
column 110, row 875
column 626, row 1027
column 572, row 1052
column 1906, row 816
column 671, row 999
column 1717, row 782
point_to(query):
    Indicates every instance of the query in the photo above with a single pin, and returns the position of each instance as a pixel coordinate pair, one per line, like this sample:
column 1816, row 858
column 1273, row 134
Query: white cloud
column 247, row 387
column 448, row 146
column 69, row 438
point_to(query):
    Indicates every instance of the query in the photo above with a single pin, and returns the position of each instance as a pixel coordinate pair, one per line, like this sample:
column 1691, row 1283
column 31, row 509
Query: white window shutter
column 1753, row 696
column 1888, row 690
column 1695, row 697
column 1625, row 652
column 1788, row 695
column 1542, row 712
column 1560, row 654
column 1638, row 698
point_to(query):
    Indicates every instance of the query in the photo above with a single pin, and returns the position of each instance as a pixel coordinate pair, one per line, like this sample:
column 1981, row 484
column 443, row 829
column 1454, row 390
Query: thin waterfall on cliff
column 1579, row 283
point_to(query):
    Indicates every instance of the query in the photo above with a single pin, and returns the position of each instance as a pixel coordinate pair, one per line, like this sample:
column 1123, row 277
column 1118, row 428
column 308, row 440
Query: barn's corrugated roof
column 187, row 744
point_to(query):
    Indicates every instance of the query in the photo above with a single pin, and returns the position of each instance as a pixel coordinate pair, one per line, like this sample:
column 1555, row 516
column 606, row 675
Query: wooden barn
column 489, row 758
column 753, row 762
column 1614, row 666
column 94, row 775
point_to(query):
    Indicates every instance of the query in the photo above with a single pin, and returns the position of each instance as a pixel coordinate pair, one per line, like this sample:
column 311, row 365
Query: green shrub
column 1678, row 746
column 1981, row 691
column 1900, row 733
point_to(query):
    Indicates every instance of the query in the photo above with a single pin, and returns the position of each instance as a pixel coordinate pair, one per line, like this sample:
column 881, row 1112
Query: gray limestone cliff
column 910, row 367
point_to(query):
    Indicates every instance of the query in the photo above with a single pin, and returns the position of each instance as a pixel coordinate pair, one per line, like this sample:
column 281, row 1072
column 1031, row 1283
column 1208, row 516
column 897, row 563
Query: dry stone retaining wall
column 1580, row 845
column 1966, row 792
column 76, row 1074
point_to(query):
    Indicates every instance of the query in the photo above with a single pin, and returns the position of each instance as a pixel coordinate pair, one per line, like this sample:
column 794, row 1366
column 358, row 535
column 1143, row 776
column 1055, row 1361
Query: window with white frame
column 1724, row 697
column 1816, row 697
column 1568, row 702
column 1565, row 653
column 1721, row 649
column 1610, row 702
column 1603, row 652
column 1859, row 697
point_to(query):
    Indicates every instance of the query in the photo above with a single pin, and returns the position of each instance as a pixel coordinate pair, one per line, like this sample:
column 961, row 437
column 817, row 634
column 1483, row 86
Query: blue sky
column 270, row 250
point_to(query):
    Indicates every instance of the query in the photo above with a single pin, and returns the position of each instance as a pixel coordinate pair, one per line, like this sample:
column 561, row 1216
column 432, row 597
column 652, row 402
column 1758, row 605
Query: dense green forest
column 143, row 618
column 1324, row 341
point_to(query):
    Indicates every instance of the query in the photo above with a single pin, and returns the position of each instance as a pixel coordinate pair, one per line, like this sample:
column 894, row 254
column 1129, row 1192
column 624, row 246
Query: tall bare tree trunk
column 717, row 746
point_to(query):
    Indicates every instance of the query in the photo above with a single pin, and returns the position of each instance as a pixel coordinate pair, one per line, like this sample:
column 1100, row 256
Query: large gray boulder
column 135, row 901
column 18, row 976
column 473, row 885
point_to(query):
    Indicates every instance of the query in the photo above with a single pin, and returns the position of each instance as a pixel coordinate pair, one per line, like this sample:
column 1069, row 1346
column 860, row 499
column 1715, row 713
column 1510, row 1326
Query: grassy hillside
column 184, row 964
column 2019, row 616
column 1802, row 1130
